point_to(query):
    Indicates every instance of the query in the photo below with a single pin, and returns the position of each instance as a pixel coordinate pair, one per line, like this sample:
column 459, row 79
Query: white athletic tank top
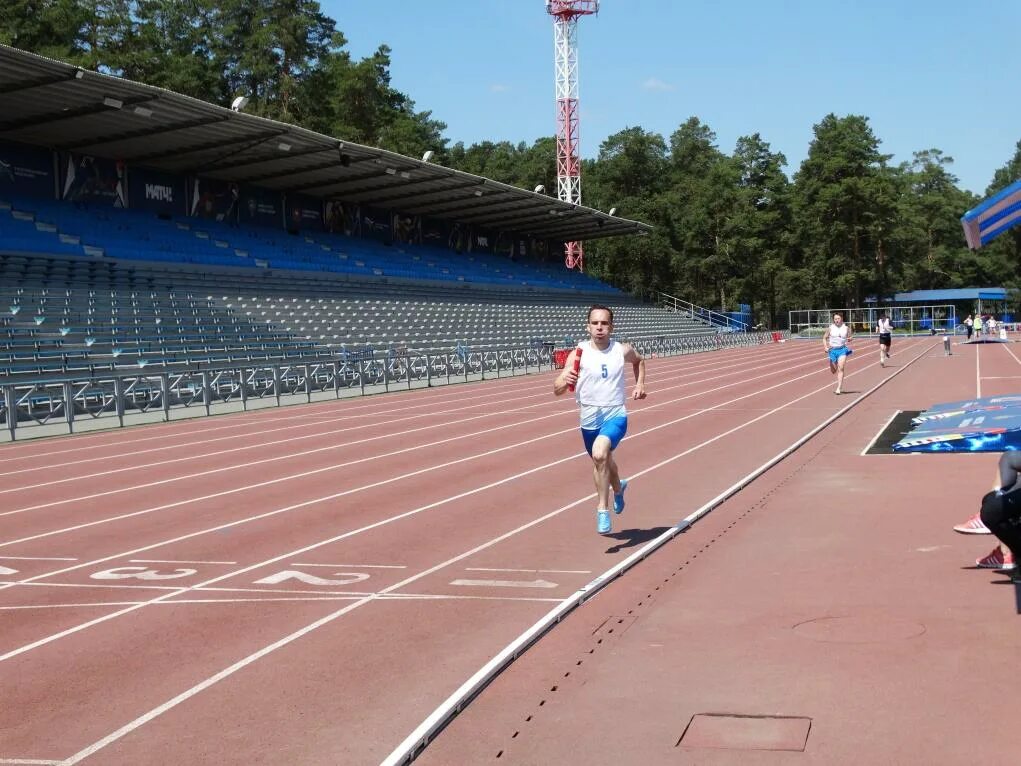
column 884, row 327
column 601, row 377
column 838, row 336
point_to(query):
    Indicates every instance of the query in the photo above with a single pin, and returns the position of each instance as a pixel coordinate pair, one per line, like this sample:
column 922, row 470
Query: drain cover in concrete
column 746, row 732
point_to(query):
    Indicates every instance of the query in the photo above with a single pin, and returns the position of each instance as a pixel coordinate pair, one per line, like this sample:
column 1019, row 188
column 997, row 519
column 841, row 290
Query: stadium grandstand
column 144, row 229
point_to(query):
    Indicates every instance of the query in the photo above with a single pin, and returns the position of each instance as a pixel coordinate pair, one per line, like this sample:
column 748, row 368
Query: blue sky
column 927, row 74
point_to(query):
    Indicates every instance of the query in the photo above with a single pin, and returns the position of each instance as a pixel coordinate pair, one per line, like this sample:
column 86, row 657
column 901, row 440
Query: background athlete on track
column 599, row 390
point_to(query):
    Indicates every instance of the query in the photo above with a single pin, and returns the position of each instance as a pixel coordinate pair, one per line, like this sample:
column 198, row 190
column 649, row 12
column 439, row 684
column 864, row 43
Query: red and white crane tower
column 565, row 15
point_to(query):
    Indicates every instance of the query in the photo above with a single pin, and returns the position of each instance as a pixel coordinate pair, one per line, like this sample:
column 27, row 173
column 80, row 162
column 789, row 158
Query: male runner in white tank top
column 599, row 390
column 835, row 340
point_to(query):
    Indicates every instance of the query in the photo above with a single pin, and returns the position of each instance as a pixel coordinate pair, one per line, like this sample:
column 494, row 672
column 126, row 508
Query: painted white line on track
column 418, row 739
column 241, row 664
column 879, row 433
column 29, row 761
column 305, row 474
column 978, row 376
column 432, row 415
column 1007, row 348
column 390, row 480
column 37, row 558
column 536, row 571
column 82, row 605
column 525, row 385
column 345, row 535
column 167, row 561
column 352, row 566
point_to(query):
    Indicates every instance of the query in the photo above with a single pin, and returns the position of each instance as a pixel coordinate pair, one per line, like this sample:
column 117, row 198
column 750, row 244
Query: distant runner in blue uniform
column 598, row 382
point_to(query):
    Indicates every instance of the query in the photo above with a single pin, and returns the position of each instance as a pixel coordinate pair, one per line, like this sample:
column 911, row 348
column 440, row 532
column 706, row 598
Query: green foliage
column 728, row 228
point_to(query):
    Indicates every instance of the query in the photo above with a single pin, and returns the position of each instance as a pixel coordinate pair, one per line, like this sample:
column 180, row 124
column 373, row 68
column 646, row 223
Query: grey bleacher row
column 61, row 316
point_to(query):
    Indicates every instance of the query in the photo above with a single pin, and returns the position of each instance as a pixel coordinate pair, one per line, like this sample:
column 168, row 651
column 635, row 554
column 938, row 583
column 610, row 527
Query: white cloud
column 654, row 83
column 499, row 88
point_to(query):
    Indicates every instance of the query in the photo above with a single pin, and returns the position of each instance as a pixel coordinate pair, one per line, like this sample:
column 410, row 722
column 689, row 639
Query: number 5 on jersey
column 606, row 373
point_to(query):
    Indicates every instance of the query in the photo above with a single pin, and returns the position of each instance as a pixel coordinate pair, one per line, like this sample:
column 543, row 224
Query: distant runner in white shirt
column 599, row 390
column 835, row 341
column 885, row 330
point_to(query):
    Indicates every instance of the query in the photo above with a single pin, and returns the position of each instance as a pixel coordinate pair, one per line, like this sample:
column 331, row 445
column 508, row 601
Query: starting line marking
column 168, row 561
column 536, row 571
column 33, row 558
column 506, row 583
column 353, row 566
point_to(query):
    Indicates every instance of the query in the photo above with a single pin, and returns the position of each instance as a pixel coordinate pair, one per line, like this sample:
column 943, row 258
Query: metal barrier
column 118, row 397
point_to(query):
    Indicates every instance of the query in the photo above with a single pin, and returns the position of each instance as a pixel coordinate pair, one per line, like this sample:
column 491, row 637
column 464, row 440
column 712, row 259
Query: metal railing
column 713, row 318
column 62, row 405
column 910, row 320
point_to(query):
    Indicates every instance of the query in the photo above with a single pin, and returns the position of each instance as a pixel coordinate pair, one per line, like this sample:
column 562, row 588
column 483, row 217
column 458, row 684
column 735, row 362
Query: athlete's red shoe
column 997, row 559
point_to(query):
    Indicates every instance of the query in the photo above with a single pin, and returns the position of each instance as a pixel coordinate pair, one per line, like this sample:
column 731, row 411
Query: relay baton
column 577, row 366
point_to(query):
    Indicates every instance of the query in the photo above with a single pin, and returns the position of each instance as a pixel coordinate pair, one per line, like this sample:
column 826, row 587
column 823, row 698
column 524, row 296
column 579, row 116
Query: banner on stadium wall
column 459, row 238
column 216, row 201
column 482, row 241
column 434, row 232
column 261, row 207
column 26, row 171
column 376, row 224
column 303, row 213
column 94, row 179
column 156, row 192
column 342, row 218
column 407, row 229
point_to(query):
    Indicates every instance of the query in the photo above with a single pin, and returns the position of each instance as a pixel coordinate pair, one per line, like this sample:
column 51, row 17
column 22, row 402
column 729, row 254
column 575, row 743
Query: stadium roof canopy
column 50, row 103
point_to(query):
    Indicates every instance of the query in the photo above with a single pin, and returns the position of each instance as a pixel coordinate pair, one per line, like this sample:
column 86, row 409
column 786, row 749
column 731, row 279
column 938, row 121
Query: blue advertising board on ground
column 991, row 424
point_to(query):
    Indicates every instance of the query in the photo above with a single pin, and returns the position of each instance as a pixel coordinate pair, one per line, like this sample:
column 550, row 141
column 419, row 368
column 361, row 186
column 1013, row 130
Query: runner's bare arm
column 638, row 364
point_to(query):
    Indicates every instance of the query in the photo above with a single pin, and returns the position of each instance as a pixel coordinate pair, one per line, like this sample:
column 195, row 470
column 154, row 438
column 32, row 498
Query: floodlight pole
column 565, row 15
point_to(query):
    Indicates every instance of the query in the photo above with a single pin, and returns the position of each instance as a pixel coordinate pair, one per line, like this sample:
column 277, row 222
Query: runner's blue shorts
column 613, row 429
column 836, row 353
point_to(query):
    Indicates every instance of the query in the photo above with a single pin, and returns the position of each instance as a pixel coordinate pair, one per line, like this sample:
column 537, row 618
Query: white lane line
column 36, row 558
column 689, row 371
column 879, row 433
column 83, row 604
column 335, row 496
column 418, row 739
column 335, row 466
column 978, row 376
column 347, row 443
column 31, row 583
column 351, row 533
column 187, row 428
column 536, row 571
column 241, row 664
column 504, row 583
column 29, row 761
column 167, row 561
column 351, row 566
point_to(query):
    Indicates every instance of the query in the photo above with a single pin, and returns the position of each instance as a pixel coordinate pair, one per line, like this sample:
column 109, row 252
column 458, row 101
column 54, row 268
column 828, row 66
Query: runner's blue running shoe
column 603, row 525
column 618, row 497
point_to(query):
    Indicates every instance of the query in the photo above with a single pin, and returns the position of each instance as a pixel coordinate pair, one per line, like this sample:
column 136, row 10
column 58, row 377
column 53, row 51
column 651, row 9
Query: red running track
column 306, row 588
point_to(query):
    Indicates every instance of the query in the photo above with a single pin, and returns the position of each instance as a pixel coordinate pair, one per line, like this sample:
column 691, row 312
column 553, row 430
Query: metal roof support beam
column 259, row 161
column 203, row 147
column 451, row 207
column 38, row 82
column 332, row 184
column 282, row 173
column 536, row 212
column 250, row 145
column 70, row 114
column 433, row 192
column 143, row 133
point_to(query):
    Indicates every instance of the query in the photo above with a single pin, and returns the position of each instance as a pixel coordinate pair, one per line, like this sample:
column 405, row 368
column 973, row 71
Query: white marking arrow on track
column 7, row 570
column 506, row 583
